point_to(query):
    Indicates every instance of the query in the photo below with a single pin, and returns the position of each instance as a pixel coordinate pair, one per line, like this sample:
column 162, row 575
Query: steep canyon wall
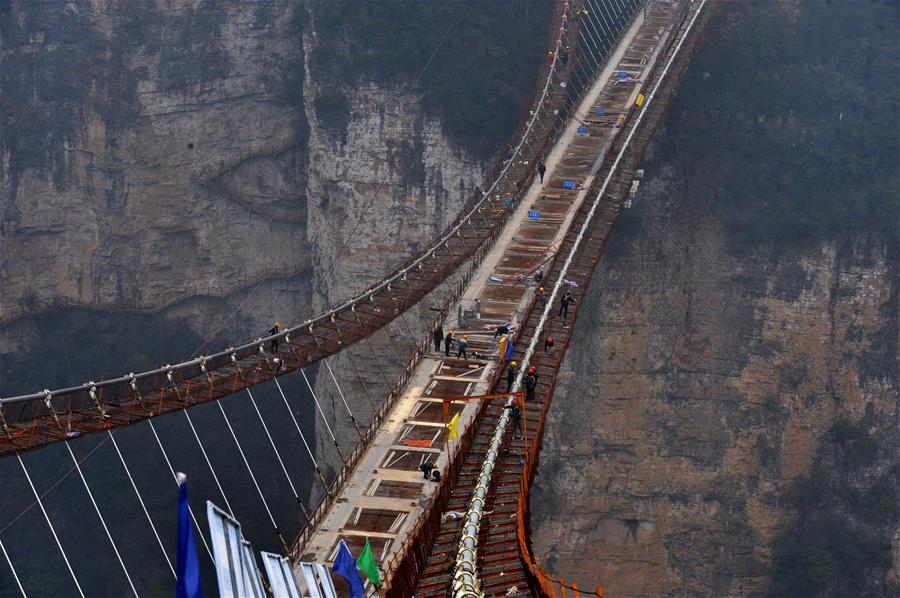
column 726, row 418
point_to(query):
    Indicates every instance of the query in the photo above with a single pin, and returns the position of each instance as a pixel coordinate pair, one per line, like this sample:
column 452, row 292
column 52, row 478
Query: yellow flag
column 453, row 426
column 502, row 347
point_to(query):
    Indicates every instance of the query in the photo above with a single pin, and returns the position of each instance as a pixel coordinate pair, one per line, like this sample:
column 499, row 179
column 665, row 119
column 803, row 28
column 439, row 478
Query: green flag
column 366, row 564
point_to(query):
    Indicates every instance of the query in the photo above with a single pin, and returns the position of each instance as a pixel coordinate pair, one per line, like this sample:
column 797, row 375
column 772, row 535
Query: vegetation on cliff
column 794, row 118
column 839, row 543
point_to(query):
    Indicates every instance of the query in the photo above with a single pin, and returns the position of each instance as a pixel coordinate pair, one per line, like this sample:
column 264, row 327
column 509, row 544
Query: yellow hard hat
column 465, row 337
column 277, row 324
column 512, row 363
column 541, row 289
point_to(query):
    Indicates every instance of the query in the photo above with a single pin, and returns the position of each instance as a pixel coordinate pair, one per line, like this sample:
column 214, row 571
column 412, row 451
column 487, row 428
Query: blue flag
column 188, row 585
column 345, row 566
column 510, row 350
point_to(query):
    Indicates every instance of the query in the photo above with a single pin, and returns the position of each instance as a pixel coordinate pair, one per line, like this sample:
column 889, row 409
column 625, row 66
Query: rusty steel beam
column 506, row 549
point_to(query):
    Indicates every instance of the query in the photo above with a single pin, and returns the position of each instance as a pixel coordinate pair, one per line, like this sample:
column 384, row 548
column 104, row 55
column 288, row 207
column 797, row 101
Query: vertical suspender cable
column 278, row 455
column 610, row 22
column 13, row 569
column 361, row 381
column 303, row 438
column 324, row 419
column 175, row 477
column 600, row 42
column 387, row 330
column 378, row 361
column 252, row 477
column 340, row 392
column 102, row 520
column 143, row 506
column 593, row 45
column 50, row 523
column 594, row 18
column 208, row 463
column 605, row 22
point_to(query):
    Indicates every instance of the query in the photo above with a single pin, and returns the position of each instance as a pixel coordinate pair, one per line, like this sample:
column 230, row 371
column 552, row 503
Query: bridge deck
column 388, row 477
column 386, row 494
column 499, row 563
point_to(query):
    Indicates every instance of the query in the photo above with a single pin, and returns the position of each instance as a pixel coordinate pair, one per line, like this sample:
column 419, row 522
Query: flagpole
column 444, row 413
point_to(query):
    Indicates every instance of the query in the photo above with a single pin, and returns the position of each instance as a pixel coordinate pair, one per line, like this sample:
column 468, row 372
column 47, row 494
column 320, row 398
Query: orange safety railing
column 411, row 558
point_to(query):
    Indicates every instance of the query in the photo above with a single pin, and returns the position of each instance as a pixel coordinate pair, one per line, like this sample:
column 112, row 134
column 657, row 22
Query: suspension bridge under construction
column 519, row 257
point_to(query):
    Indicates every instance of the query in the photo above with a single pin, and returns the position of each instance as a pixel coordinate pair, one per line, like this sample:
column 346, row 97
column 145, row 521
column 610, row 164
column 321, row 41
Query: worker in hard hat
column 501, row 329
column 540, row 297
column 461, row 348
column 564, row 305
column 548, row 346
column 530, row 384
column 511, row 372
column 448, row 343
column 516, row 414
column 274, row 343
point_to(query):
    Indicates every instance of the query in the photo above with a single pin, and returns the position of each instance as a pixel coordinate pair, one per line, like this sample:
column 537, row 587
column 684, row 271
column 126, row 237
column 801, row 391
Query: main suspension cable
column 102, row 520
column 50, row 524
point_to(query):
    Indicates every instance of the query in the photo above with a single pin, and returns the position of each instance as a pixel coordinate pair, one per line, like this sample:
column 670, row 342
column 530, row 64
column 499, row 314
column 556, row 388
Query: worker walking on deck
column 530, row 385
column 548, row 346
column 516, row 415
column 542, row 168
column 274, row 343
column 540, row 297
column 438, row 337
column 564, row 305
column 448, row 343
column 511, row 372
column 462, row 346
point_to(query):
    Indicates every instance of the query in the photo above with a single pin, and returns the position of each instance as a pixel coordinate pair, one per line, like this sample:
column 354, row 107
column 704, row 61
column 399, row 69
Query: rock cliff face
column 696, row 388
column 706, row 385
column 181, row 159
column 130, row 132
